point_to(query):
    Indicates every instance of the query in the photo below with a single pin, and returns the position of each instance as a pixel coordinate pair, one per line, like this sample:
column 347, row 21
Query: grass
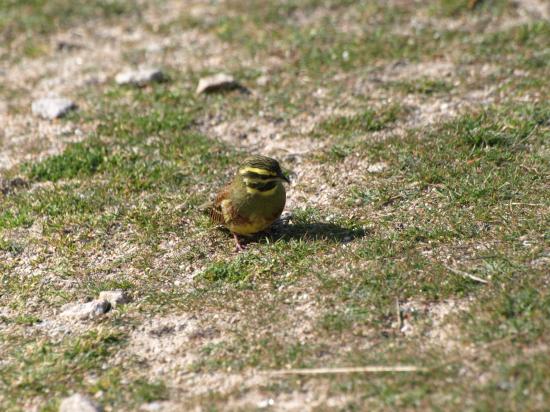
column 455, row 8
column 425, row 86
column 43, row 367
column 41, row 17
column 368, row 121
column 120, row 210
column 79, row 160
column 25, row 24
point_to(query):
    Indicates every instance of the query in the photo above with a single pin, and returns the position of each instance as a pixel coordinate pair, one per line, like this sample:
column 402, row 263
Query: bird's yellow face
column 261, row 175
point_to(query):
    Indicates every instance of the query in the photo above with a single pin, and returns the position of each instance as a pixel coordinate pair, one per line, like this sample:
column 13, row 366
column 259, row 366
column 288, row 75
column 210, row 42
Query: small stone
column 286, row 216
column 266, row 403
column 154, row 48
column 8, row 186
column 84, row 311
column 52, row 107
column 78, row 403
column 140, row 77
column 151, row 407
column 263, row 80
column 65, row 45
column 377, row 167
column 114, row 297
column 216, row 83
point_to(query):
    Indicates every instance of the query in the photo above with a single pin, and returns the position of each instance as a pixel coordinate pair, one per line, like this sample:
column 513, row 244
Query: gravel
column 78, row 403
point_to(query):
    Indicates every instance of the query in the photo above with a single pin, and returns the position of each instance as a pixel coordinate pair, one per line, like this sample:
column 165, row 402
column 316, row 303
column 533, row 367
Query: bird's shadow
column 284, row 231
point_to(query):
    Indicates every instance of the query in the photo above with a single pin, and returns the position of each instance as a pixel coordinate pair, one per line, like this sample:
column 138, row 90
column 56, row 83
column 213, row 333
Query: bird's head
column 262, row 169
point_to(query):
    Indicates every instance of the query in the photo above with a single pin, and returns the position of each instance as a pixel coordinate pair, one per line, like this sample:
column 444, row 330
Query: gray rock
column 52, row 107
column 114, row 297
column 286, row 216
column 140, row 77
column 377, row 167
column 9, row 185
column 154, row 48
column 217, row 82
column 67, row 45
column 151, row 407
column 263, row 80
column 84, row 311
column 78, row 403
column 266, row 403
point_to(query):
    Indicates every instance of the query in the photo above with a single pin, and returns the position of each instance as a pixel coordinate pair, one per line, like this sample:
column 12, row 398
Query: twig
column 358, row 369
column 481, row 257
column 399, row 314
column 466, row 274
column 528, row 204
column 530, row 169
column 382, row 369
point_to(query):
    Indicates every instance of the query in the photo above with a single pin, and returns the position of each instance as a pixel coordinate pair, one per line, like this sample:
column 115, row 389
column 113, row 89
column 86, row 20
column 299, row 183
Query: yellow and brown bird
column 253, row 200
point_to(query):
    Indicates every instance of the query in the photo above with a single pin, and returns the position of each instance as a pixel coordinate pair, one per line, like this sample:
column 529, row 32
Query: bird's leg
column 238, row 246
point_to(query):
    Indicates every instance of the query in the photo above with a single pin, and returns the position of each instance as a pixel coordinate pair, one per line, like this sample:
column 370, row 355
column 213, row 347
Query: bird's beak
column 286, row 179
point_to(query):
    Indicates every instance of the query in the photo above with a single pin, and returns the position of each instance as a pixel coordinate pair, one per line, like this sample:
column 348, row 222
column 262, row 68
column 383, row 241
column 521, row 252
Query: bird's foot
column 238, row 246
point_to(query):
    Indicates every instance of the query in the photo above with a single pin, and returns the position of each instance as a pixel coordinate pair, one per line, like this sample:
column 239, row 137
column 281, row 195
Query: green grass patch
column 319, row 47
column 422, row 85
column 44, row 367
column 232, row 272
column 461, row 8
column 10, row 246
column 47, row 369
column 520, row 45
column 18, row 216
column 78, row 160
column 367, row 121
column 42, row 17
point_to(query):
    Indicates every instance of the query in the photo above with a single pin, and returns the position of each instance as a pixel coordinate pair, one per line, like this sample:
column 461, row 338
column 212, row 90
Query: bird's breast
column 258, row 211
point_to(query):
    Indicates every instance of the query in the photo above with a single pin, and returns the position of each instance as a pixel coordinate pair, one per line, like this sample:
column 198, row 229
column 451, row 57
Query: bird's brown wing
column 216, row 212
column 224, row 213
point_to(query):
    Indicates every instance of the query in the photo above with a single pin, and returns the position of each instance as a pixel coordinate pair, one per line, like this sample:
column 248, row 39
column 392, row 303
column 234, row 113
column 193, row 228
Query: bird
column 253, row 200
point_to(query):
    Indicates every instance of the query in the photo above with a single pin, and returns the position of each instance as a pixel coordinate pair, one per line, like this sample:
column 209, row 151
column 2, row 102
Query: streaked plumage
column 253, row 200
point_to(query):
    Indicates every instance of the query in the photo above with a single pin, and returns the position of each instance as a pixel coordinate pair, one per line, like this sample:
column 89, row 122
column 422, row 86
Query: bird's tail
column 214, row 212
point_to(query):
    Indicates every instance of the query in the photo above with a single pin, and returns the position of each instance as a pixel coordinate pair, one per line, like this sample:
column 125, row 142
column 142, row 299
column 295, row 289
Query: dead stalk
column 358, row 369
column 466, row 275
